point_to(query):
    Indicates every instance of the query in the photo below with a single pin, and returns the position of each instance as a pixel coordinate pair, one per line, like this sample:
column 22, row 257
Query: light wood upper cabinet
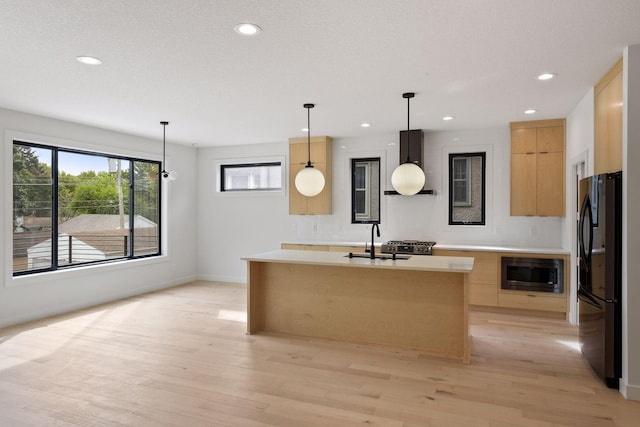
column 608, row 121
column 537, row 168
column 321, row 152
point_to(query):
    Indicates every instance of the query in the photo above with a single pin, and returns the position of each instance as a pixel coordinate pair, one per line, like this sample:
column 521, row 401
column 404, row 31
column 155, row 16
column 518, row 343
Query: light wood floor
column 180, row 357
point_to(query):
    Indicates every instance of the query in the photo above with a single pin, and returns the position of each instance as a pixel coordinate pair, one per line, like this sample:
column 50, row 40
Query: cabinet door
column 483, row 280
column 550, row 139
column 298, row 154
column 297, row 202
column 318, row 204
column 320, row 159
column 608, row 126
column 532, row 301
column 550, row 184
column 523, row 184
column 523, row 140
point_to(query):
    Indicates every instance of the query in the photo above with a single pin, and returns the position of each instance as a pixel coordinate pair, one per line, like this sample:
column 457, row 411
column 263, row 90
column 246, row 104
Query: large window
column 74, row 208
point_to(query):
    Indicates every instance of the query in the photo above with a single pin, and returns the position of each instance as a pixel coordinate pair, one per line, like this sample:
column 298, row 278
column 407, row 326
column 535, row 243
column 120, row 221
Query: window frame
column 131, row 256
column 367, row 189
column 452, row 205
column 247, row 165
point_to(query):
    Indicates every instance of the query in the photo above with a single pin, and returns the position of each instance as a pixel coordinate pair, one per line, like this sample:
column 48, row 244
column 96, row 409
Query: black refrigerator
column 600, row 274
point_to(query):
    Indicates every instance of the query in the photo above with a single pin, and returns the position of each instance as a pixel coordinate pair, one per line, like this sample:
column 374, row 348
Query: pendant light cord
column 408, row 129
column 164, row 144
column 308, row 136
column 309, row 107
column 408, row 95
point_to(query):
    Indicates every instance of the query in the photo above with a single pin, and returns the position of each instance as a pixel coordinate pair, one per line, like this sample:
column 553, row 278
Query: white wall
column 234, row 225
column 630, row 386
column 579, row 148
column 40, row 295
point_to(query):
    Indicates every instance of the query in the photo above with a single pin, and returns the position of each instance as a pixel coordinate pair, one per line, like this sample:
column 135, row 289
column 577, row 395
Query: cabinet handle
column 543, row 152
column 530, row 152
column 529, row 295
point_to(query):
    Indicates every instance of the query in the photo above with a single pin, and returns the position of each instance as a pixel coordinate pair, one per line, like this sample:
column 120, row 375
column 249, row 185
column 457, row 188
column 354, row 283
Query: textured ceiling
column 181, row 61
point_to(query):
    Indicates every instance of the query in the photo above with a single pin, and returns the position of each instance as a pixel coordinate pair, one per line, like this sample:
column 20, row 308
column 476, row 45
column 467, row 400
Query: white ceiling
column 181, row 61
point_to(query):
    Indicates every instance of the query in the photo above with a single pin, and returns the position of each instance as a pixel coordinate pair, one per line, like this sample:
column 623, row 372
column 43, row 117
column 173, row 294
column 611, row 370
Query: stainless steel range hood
column 411, row 147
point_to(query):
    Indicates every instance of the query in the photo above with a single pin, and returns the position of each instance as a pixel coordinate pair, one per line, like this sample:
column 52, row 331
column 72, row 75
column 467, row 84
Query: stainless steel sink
column 378, row 256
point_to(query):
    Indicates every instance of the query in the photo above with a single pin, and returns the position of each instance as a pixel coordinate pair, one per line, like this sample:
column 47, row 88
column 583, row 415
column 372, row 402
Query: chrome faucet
column 373, row 248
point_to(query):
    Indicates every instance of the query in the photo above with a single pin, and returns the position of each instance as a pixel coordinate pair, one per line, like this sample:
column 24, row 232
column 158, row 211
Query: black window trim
column 54, row 216
column 225, row 166
column 483, row 155
column 355, row 160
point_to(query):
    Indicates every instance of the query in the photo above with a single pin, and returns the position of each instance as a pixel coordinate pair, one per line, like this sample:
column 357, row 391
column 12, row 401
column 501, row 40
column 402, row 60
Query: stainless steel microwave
column 533, row 274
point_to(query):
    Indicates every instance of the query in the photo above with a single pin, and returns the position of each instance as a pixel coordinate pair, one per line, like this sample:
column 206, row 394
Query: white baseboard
column 629, row 391
column 98, row 299
column 225, row 279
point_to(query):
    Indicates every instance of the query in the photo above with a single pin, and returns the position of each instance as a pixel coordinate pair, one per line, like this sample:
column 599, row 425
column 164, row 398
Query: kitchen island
column 420, row 302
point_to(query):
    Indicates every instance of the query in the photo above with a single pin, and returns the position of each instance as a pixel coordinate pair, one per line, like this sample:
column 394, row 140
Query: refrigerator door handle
column 586, row 207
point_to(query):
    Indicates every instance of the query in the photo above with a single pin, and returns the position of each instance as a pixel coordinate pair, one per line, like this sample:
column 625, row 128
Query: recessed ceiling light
column 546, row 76
column 448, row 118
column 366, row 125
column 530, row 111
column 89, row 60
column 247, row 29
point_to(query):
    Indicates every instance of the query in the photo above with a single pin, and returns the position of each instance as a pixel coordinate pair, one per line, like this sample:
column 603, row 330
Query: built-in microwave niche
column 533, row 274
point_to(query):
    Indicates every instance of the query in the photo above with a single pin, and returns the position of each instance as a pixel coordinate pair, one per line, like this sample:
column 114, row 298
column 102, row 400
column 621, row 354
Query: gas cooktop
column 415, row 247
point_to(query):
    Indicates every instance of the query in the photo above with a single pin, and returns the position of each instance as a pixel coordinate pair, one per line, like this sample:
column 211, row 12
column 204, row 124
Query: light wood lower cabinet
column 485, row 285
column 532, row 301
column 483, row 280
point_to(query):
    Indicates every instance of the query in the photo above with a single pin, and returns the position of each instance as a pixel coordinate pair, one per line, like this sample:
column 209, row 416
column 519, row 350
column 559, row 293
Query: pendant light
column 408, row 178
column 309, row 181
column 171, row 176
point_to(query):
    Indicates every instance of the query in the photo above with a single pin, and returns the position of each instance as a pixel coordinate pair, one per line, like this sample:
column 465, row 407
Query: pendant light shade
column 408, row 178
column 170, row 176
column 309, row 181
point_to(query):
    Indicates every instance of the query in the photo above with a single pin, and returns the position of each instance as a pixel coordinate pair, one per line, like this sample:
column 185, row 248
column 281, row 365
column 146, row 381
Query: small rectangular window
column 251, row 177
column 467, row 188
column 365, row 190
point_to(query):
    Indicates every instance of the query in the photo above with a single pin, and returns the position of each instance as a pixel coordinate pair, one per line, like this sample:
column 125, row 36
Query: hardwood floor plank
column 181, row 357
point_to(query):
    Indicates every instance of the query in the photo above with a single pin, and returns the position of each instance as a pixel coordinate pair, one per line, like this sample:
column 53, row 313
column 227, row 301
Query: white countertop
column 514, row 249
column 415, row 262
column 456, row 247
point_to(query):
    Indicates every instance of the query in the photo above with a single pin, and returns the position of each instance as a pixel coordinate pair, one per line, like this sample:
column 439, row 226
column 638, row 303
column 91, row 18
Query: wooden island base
column 426, row 310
